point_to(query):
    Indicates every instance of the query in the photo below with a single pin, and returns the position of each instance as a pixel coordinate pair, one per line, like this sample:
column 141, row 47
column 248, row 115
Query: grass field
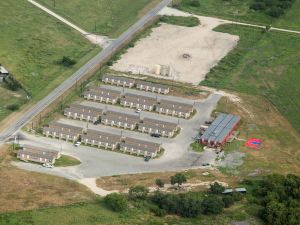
column 239, row 11
column 32, row 43
column 280, row 149
column 265, row 64
column 66, row 160
column 23, row 190
column 96, row 214
column 104, row 17
column 8, row 98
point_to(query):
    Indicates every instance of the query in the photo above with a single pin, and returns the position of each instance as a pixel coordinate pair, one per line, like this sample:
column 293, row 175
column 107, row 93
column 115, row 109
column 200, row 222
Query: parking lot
column 98, row 162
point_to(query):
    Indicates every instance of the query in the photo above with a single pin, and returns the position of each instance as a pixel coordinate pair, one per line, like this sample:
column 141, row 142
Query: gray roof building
column 220, row 129
column 138, row 146
column 158, row 126
column 101, row 138
column 83, row 112
column 120, row 119
column 117, row 80
column 138, row 101
column 102, row 94
column 37, row 154
column 149, row 86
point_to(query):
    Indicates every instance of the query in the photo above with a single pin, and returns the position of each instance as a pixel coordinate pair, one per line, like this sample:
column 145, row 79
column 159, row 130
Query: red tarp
column 253, row 143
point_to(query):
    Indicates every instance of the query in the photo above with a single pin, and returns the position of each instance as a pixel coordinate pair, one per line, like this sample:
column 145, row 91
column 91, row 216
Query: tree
column 195, row 3
column 159, row 183
column 178, row 178
column 116, row 202
column 212, row 205
column 67, row 61
column 216, row 188
column 275, row 213
column 138, row 192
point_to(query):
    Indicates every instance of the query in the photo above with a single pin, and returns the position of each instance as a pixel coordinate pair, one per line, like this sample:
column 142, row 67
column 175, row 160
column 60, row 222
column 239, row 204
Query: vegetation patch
column 181, row 20
column 66, row 160
column 105, row 17
column 264, row 64
column 197, row 147
column 274, row 8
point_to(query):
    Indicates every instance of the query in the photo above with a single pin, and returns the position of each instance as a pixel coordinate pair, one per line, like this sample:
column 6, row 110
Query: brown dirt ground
column 23, row 190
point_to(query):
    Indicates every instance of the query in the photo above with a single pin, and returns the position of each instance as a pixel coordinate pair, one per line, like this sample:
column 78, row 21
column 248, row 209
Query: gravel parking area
column 97, row 162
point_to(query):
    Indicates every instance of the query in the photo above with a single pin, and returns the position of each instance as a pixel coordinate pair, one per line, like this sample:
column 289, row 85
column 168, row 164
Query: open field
column 188, row 55
column 104, row 17
column 266, row 64
column 9, row 98
column 239, row 11
column 138, row 214
column 23, row 190
column 34, row 61
column 280, row 149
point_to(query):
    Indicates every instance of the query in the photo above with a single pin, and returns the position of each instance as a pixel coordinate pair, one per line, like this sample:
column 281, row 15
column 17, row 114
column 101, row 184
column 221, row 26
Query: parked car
column 47, row 165
column 155, row 135
column 77, row 144
column 147, row 158
column 205, row 164
column 138, row 110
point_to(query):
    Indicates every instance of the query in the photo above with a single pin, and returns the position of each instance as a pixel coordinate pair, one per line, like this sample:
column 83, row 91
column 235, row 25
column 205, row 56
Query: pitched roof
column 101, row 136
column 139, row 99
column 118, row 78
column 140, row 145
column 177, row 106
column 38, row 152
column 63, row 128
column 103, row 92
column 150, row 84
column 121, row 117
column 85, row 110
column 158, row 124
column 220, row 128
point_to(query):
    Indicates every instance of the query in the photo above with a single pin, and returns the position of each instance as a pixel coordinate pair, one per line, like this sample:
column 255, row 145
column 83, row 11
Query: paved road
column 98, row 163
column 89, row 66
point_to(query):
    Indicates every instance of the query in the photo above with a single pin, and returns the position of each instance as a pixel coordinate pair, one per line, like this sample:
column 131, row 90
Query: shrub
column 67, row 62
column 212, row 205
column 138, row 193
column 195, row 3
column 13, row 107
column 216, row 188
column 116, row 202
column 158, row 211
column 159, row 183
column 228, row 201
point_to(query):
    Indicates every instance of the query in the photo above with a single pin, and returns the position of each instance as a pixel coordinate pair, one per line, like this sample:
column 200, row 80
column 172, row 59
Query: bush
column 116, row 202
column 158, row 211
column 212, row 205
column 159, row 183
column 138, row 193
column 228, row 201
column 216, row 188
column 67, row 62
column 274, row 8
column 195, row 3
column 13, row 107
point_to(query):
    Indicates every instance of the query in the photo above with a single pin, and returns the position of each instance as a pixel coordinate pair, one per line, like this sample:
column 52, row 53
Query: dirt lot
column 189, row 52
column 23, row 190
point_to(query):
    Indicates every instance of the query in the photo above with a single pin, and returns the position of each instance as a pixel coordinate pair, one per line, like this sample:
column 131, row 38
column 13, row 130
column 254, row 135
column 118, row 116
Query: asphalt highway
column 89, row 66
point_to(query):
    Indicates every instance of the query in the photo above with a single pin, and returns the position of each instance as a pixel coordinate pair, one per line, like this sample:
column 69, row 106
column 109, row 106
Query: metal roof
column 3, row 70
column 220, row 128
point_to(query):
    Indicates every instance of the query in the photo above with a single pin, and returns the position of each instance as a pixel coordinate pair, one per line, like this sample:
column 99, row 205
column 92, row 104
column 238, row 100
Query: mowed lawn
column 105, row 17
column 265, row 64
column 239, row 10
column 32, row 43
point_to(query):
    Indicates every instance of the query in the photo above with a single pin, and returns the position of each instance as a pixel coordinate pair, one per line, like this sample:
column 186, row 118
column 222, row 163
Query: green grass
column 110, row 18
column 66, row 160
column 196, row 147
column 239, row 10
column 97, row 213
column 181, row 20
column 266, row 64
column 31, row 44
column 10, row 97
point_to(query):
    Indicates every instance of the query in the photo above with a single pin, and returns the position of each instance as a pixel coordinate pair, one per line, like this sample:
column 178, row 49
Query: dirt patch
column 184, row 54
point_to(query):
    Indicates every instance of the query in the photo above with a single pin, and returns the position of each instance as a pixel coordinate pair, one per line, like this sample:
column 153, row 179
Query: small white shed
column 3, row 73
